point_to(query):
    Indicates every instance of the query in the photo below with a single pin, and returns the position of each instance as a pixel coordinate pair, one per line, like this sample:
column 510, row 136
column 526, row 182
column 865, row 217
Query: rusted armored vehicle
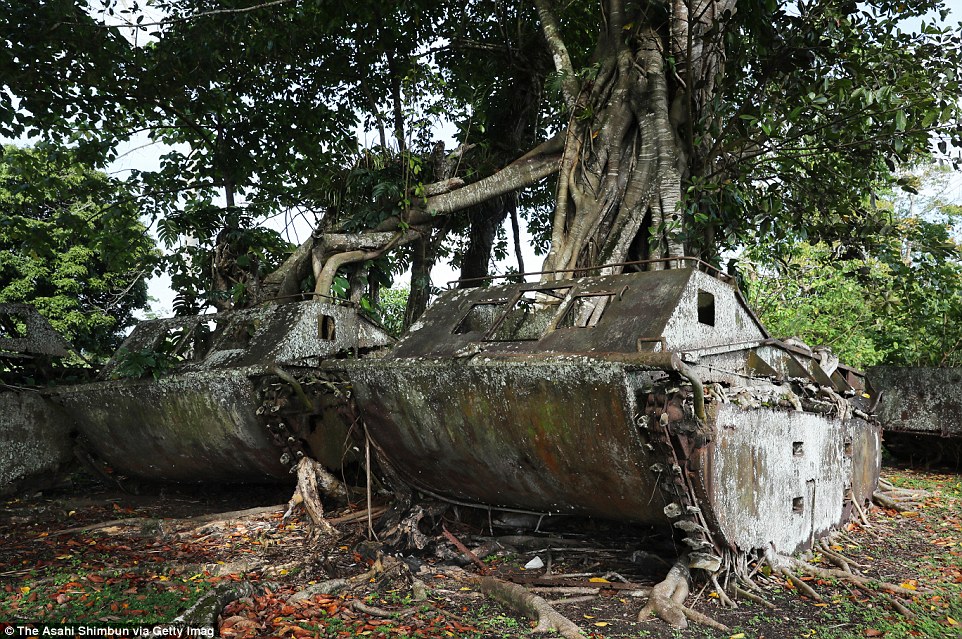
column 652, row 397
column 921, row 413
column 36, row 437
column 231, row 397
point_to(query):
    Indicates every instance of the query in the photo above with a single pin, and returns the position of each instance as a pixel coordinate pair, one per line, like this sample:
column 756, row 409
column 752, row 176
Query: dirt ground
column 86, row 554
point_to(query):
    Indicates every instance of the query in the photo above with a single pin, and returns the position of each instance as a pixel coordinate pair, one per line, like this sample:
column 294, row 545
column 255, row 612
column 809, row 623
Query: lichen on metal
column 24, row 333
column 35, row 436
column 228, row 410
column 584, row 396
column 35, row 441
column 921, row 412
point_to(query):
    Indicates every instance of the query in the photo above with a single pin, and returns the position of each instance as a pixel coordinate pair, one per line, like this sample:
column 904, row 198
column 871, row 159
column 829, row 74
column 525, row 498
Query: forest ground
column 89, row 554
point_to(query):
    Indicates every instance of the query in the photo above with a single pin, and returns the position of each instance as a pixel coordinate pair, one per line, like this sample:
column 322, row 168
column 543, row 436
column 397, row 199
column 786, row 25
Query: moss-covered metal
column 233, row 409
column 921, row 412
column 500, row 397
column 36, row 436
column 36, row 441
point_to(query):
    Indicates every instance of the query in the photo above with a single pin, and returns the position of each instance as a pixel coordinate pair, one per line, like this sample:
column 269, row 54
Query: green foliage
column 900, row 305
column 72, row 245
column 261, row 108
column 831, row 99
column 391, row 309
column 227, row 257
column 138, row 364
column 822, row 302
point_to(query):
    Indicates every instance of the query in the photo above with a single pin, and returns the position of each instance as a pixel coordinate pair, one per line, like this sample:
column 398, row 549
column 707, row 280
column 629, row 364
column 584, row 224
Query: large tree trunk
column 485, row 221
column 629, row 151
column 423, row 259
column 628, row 147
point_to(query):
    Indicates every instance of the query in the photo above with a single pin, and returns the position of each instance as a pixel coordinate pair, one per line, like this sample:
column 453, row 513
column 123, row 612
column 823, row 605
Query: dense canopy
column 420, row 130
column 70, row 246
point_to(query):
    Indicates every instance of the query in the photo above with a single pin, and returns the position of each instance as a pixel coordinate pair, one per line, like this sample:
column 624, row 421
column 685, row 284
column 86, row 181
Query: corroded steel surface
column 36, row 436
column 523, row 405
column 235, row 409
column 35, row 441
column 919, row 400
column 192, row 427
column 921, row 412
column 518, row 434
column 656, row 311
column 795, row 468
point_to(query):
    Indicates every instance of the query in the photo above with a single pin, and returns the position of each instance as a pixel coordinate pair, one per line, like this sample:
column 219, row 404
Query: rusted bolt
column 673, row 510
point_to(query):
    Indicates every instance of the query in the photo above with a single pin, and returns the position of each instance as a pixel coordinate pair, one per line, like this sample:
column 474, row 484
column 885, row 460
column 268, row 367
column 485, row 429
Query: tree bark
column 629, row 142
column 423, row 259
column 485, row 220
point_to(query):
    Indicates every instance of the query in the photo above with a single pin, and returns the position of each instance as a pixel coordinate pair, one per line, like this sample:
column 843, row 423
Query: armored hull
column 655, row 398
column 921, row 413
column 237, row 397
column 36, row 436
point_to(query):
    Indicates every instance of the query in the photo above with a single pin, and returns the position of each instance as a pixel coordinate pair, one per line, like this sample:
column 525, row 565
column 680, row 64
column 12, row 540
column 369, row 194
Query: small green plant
column 138, row 364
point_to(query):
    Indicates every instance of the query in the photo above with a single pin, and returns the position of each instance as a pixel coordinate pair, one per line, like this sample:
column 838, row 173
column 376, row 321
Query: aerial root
column 531, row 605
column 313, row 481
column 723, row 597
column 667, row 601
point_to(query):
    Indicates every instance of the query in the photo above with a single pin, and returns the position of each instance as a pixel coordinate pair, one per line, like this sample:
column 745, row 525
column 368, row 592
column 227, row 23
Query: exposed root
column 861, row 514
column 667, row 597
column 571, row 600
column 722, row 595
column 858, row 580
column 892, row 497
column 838, row 560
column 564, row 590
column 782, row 565
column 313, row 481
column 888, row 486
column 704, row 620
column 667, row 601
column 386, row 567
column 419, row 591
column 205, row 610
column 374, row 611
column 799, row 584
column 329, row 587
column 531, row 605
column 900, row 608
column 753, row 597
column 400, row 527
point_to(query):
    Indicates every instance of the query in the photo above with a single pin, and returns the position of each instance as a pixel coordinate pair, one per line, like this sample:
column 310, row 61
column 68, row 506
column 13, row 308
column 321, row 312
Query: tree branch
column 559, row 53
column 521, row 173
column 349, row 249
column 202, row 14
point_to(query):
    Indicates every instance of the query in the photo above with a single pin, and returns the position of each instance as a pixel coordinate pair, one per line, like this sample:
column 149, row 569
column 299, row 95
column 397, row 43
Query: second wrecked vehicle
column 231, row 397
column 921, row 413
column 36, row 442
column 651, row 397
